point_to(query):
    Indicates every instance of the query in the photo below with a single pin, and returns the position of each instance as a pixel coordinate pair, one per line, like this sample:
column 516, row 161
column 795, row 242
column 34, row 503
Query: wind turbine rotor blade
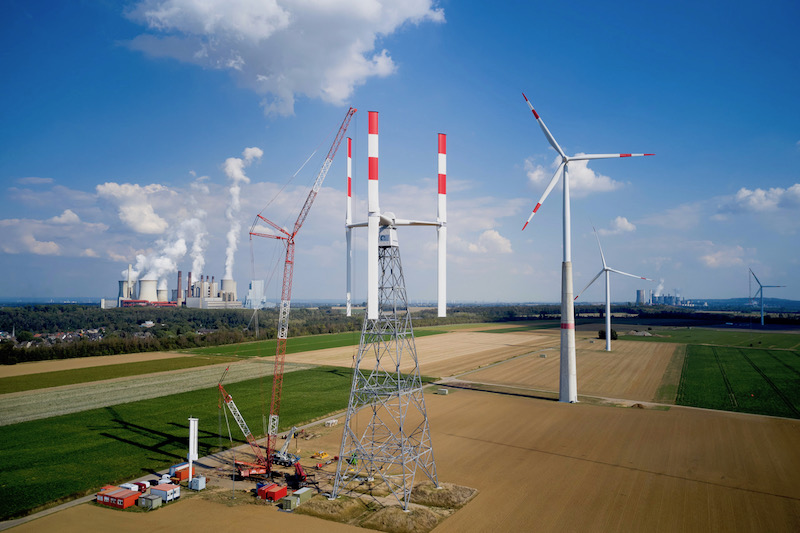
column 589, row 284
column 585, row 157
column 602, row 256
column 547, row 133
column 756, row 278
column 372, row 268
column 549, row 188
column 349, row 235
column 441, row 232
column 629, row 275
column 372, row 149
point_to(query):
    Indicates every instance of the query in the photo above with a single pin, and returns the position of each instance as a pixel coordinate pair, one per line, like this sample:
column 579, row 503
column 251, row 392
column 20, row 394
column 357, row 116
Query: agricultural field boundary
column 38, row 404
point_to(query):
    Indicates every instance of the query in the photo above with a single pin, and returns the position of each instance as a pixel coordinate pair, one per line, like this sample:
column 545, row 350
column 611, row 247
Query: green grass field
column 98, row 373
column 528, row 326
column 719, row 337
column 747, row 380
column 67, row 456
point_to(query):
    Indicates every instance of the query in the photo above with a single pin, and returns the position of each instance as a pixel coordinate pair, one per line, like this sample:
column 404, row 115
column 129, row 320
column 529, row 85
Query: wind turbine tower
column 386, row 436
column 760, row 292
column 568, row 383
column 607, row 271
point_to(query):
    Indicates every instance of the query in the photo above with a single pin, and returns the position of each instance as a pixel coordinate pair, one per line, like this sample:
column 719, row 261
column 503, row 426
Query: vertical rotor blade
column 442, row 229
column 602, row 256
column 372, row 267
column 547, row 133
column 549, row 188
column 372, row 149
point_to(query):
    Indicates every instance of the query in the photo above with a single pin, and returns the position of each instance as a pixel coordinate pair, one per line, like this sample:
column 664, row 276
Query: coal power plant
column 203, row 293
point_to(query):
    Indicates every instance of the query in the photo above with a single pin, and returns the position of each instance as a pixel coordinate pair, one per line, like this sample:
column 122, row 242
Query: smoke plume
column 234, row 168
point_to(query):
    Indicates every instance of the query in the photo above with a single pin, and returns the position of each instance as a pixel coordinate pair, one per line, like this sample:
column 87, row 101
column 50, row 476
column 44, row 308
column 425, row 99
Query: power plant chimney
column 179, row 295
column 189, row 286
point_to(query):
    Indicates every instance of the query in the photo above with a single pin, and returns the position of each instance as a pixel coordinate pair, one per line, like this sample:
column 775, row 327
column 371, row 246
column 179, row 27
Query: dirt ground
column 37, row 367
column 548, row 466
column 632, row 370
column 542, row 465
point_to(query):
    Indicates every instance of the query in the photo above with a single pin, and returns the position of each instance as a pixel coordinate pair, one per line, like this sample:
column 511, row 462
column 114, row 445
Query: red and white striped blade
column 629, row 275
column 546, row 192
column 603, row 156
column 547, row 133
column 590, row 283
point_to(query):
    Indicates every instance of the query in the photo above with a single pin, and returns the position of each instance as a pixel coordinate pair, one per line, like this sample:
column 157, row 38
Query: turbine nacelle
column 382, row 227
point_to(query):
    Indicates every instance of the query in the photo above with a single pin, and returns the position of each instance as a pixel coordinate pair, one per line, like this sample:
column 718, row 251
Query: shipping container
column 150, row 501
column 276, row 493
column 167, row 492
column 118, row 497
column 262, row 490
column 304, row 494
column 182, row 474
column 290, row 503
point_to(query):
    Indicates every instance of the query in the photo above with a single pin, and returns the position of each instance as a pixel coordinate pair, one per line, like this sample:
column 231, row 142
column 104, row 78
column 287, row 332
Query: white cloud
column 583, row 181
column 618, row 225
column 34, row 181
column 89, row 253
column 723, row 257
column 490, row 241
column 134, row 205
column 761, row 200
column 316, row 48
column 40, row 247
column 67, row 217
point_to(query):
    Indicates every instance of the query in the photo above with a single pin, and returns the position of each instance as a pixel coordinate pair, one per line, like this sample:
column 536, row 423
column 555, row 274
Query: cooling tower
column 147, row 290
column 124, row 292
column 229, row 286
column 162, row 295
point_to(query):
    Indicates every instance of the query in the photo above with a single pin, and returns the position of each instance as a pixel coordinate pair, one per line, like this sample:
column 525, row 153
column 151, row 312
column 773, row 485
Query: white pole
column 192, row 455
column 348, row 219
column 568, row 387
column 608, row 311
column 442, row 229
column 374, row 219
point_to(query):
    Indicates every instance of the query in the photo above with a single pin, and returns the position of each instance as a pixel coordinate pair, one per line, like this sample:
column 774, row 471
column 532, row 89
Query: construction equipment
column 245, row 469
column 320, row 455
column 286, row 292
column 283, row 457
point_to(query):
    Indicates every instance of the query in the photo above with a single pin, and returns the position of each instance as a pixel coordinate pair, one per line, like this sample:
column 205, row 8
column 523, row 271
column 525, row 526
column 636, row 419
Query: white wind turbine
column 607, row 271
column 568, row 385
column 760, row 292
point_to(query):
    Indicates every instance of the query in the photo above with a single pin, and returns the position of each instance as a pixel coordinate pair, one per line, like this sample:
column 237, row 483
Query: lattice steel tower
column 386, row 437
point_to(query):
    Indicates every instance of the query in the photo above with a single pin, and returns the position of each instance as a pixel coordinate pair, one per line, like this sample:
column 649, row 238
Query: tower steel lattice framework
column 386, row 437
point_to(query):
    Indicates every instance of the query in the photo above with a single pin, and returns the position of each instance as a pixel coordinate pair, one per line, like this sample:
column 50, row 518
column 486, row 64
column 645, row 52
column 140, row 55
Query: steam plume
column 234, row 168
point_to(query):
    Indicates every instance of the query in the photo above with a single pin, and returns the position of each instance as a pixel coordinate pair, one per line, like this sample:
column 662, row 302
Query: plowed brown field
column 632, row 370
column 547, row 466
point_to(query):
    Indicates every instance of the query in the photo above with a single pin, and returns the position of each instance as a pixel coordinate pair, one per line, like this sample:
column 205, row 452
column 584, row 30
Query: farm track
column 43, row 403
column 772, row 385
column 724, row 375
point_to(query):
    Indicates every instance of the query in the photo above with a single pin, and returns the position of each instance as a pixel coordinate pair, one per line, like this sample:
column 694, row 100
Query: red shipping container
column 276, row 493
column 262, row 491
column 183, row 473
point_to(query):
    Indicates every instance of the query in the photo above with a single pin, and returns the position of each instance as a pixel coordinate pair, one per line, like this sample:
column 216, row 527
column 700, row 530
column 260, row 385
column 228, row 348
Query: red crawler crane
column 286, row 292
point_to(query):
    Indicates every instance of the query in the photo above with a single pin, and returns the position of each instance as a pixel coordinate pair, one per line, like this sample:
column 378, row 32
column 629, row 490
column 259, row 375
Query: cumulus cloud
column 490, row 241
column 315, row 48
column 40, row 247
column 135, row 209
column 725, row 256
column 618, row 225
column 67, row 217
column 583, row 181
column 762, row 200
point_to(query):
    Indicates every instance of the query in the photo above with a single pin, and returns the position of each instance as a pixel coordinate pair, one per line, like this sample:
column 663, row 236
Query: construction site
column 475, row 429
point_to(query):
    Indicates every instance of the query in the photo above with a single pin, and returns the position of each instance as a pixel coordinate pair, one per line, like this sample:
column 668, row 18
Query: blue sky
column 118, row 121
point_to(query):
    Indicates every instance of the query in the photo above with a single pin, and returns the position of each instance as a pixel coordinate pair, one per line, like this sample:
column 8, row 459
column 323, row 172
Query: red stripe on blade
column 567, row 326
column 442, row 143
column 373, row 168
column 442, row 183
column 373, row 122
column 624, row 155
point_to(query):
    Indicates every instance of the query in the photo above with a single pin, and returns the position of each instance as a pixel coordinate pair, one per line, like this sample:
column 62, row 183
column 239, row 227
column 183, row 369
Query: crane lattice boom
column 286, row 291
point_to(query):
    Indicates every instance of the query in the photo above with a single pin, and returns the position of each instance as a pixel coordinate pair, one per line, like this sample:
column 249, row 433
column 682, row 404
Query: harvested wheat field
column 446, row 354
column 546, row 466
column 632, row 371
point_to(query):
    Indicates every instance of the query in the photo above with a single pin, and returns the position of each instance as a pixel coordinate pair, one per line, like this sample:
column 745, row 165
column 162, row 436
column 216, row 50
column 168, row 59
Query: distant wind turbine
column 607, row 270
column 760, row 291
column 568, row 382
